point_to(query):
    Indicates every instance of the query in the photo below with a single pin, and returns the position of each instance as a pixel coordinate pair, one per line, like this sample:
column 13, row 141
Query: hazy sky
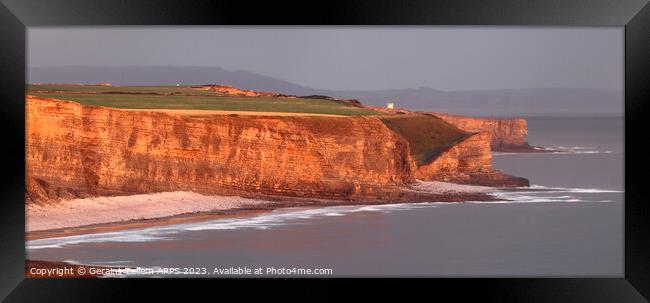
column 353, row 58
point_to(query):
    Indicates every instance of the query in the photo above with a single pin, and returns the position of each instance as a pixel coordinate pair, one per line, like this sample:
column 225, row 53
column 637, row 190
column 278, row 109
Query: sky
column 357, row 58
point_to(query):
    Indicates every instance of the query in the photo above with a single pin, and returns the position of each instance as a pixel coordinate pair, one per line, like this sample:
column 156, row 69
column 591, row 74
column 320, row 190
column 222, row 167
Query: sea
column 569, row 223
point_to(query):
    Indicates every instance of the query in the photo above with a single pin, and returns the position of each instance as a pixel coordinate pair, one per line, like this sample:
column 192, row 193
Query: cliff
column 506, row 134
column 427, row 135
column 469, row 162
column 103, row 151
column 79, row 151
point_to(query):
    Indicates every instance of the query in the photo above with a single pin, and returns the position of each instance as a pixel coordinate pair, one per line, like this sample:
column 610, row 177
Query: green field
column 427, row 135
column 172, row 97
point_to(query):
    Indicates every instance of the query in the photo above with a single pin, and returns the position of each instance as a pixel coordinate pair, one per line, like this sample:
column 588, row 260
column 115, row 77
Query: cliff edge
column 74, row 150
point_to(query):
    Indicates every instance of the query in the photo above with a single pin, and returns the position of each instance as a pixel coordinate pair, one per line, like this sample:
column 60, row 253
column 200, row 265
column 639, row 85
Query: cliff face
column 471, row 155
column 469, row 162
column 507, row 134
column 81, row 150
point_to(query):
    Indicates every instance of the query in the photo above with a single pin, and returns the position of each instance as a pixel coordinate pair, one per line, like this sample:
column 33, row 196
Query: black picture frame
column 16, row 15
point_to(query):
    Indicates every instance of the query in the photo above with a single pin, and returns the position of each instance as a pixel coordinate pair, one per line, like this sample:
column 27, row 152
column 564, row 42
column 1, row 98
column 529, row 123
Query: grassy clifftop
column 428, row 135
column 184, row 97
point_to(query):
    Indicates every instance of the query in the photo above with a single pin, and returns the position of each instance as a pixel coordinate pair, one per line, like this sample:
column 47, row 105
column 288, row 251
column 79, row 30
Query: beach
column 102, row 214
column 101, row 210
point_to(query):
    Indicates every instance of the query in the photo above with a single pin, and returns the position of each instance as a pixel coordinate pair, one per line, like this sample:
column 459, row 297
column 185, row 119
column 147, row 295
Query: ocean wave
column 136, row 235
column 539, row 199
column 288, row 216
column 572, row 189
column 559, row 150
column 542, row 194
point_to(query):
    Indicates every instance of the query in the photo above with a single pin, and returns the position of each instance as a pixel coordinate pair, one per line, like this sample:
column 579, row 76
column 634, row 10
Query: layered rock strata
column 103, row 150
column 468, row 162
column 79, row 151
column 506, row 134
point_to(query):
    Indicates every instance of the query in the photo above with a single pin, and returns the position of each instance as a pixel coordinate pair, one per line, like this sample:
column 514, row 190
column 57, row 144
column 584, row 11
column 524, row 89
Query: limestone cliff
column 79, row 151
column 507, row 134
column 102, row 150
column 469, row 161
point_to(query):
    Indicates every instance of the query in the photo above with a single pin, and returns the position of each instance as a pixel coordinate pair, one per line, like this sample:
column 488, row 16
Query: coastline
column 148, row 210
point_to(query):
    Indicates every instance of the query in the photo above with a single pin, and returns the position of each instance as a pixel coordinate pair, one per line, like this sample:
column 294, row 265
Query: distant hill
column 161, row 75
column 501, row 102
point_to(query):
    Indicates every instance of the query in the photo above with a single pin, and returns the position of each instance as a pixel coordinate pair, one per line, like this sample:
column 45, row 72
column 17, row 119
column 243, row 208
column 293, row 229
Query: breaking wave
column 541, row 194
column 541, row 188
column 560, row 150
column 134, row 235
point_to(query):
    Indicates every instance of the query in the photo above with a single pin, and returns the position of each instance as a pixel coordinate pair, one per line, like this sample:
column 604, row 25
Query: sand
column 98, row 210
column 205, row 112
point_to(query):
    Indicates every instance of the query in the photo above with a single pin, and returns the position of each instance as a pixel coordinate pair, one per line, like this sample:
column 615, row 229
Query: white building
column 390, row 105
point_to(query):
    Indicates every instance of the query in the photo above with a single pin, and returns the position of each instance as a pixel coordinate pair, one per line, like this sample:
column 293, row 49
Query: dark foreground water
column 570, row 223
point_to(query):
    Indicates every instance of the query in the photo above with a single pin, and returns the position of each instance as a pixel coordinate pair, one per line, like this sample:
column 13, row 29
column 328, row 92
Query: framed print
column 493, row 146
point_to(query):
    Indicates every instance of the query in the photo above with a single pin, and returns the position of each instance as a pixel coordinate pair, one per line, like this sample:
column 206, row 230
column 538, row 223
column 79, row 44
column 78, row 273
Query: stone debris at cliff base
column 449, row 188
